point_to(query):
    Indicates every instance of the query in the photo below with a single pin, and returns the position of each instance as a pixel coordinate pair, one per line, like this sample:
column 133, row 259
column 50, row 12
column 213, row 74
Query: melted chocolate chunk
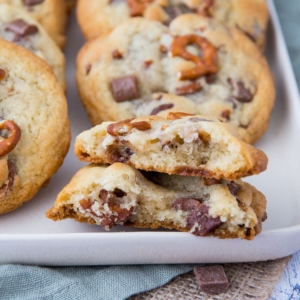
column 10, row 181
column 233, row 188
column 160, row 108
column 211, row 279
column 21, row 28
column 2, row 74
column 32, row 2
column 205, row 222
column 211, row 181
column 174, row 11
column 124, row 88
column 186, row 204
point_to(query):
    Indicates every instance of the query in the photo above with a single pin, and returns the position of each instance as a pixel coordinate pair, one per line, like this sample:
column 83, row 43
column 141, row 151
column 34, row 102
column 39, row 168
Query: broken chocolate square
column 21, row 28
column 124, row 88
column 211, row 279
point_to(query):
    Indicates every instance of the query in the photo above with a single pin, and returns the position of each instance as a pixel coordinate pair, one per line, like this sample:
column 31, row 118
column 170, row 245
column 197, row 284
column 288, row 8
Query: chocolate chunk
column 32, row 2
column 186, row 204
column 11, row 178
column 189, row 89
column 118, row 153
column 2, row 74
column 205, row 222
column 211, row 181
column 160, row 108
column 211, row 279
column 233, row 188
column 124, row 88
column 244, row 94
column 174, row 11
column 116, row 54
column 21, row 28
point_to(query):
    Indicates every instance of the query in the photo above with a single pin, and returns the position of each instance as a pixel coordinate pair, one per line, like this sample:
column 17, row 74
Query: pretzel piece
column 7, row 145
column 137, row 7
column 205, row 65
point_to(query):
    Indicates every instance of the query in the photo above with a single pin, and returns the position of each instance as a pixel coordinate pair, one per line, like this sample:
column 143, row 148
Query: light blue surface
column 119, row 282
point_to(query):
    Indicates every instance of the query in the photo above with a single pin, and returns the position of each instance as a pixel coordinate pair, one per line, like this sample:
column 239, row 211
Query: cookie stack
column 34, row 124
column 185, row 97
column 182, row 172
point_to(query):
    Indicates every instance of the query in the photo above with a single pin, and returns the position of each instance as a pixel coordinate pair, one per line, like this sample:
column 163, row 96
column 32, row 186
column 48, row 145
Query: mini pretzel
column 137, row 7
column 7, row 145
column 205, row 65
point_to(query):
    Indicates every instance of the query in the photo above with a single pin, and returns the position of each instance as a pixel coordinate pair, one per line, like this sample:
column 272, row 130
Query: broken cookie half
column 119, row 194
column 182, row 144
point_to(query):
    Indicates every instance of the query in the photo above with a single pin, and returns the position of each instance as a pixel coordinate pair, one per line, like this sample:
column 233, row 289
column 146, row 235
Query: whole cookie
column 34, row 126
column 119, row 194
column 190, row 145
column 50, row 13
column 217, row 68
column 18, row 27
column 98, row 17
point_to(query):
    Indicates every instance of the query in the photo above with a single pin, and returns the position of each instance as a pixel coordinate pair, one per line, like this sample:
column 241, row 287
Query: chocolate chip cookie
column 51, row 14
column 190, row 145
column 98, row 17
column 217, row 68
column 34, row 125
column 18, row 27
column 119, row 194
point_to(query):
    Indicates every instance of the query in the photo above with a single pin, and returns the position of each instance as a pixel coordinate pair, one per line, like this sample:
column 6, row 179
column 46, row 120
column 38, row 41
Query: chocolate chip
column 124, row 88
column 2, row 74
column 244, row 94
column 233, row 188
column 21, row 28
column 160, row 108
column 116, row 54
column 32, row 2
column 11, row 178
column 189, row 89
column 206, row 223
column 88, row 68
column 174, row 11
column 211, row 279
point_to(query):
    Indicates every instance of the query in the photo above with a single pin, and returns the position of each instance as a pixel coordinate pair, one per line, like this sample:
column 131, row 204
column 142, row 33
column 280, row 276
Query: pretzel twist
column 205, row 65
column 137, row 7
column 7, row 145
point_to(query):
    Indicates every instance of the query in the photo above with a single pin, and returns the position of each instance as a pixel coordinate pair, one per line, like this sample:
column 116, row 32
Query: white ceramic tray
column 26, row 236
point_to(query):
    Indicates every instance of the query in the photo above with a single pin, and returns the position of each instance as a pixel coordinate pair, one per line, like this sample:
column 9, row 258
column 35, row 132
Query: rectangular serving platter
column 28, row 237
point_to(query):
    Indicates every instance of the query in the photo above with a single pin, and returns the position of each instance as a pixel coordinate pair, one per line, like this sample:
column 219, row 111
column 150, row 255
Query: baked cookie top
column 98, row 17
column 34, row 126
column 50, row 13
column 119, row 194
column 19, row 27
column 182, row 144
column 216, row 67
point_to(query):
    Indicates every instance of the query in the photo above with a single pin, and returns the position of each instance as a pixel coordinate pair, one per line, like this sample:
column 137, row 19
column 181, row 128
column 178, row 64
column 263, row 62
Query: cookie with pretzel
column 51, row 14
column 98, row 17
column 119, row 194
column 34, row 125
column 216, row 68
column 182, row 144
column 19, row 27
